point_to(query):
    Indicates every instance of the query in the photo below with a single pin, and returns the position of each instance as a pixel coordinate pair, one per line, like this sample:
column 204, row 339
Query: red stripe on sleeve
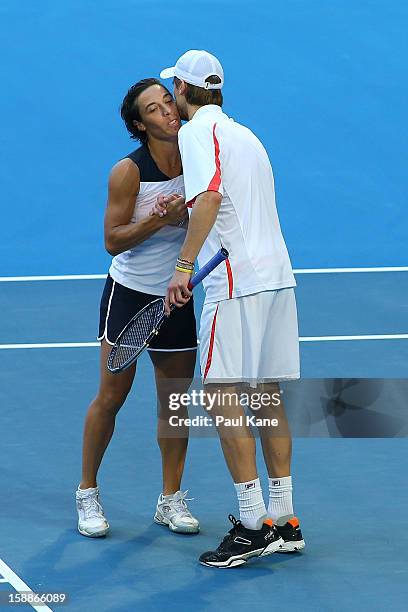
column 210, row 349
column 230, row 278
column 216, row 179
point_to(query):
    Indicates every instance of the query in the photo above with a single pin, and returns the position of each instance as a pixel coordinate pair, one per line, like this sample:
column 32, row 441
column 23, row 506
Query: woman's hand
column 172, row 207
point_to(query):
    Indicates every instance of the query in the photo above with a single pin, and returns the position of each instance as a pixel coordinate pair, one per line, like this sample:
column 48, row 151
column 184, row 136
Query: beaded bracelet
column 185, row 261
column 183, row 264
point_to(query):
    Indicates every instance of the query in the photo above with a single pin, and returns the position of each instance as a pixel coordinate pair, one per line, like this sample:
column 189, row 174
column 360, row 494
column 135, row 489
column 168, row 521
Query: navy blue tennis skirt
column 119, row 304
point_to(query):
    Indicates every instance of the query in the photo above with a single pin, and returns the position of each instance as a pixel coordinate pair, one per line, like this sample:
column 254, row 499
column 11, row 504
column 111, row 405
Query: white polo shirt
column 221, row 155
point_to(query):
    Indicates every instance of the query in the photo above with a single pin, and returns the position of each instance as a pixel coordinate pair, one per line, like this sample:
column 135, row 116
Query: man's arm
column 202, row 218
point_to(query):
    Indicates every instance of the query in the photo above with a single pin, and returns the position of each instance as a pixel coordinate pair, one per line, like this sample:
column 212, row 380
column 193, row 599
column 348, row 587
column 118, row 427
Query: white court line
column 49, row 345
column 10, row 279
column 19, row 585
column 13, row 279
column 348, row 270
column 340, row 338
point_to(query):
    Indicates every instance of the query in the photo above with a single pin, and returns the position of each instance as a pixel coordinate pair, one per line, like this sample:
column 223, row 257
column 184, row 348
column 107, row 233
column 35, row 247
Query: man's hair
column 129, row 111
column 198, row 96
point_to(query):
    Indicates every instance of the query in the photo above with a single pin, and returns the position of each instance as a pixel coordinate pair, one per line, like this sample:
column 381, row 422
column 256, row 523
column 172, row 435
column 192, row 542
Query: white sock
column 85, row 492
column 252, row 509
column 168, row 497
column 280, row 505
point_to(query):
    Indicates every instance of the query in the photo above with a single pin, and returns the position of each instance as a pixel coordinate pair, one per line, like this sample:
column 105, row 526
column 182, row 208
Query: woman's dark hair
column 129, row 111
column 198, row 96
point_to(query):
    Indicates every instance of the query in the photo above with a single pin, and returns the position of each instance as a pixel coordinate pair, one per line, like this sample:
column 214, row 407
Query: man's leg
column 251, row 536
column 277, row 452
column 237, row 441
column 174, row 372
column 239, row 448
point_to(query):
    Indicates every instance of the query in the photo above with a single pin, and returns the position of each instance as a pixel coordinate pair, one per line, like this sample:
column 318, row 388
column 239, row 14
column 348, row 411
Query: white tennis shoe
column 91, row 519
column 174, row 513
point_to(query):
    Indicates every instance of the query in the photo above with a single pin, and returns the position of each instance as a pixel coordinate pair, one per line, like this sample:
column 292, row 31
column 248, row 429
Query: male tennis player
column 144, row 248
column 248, row 332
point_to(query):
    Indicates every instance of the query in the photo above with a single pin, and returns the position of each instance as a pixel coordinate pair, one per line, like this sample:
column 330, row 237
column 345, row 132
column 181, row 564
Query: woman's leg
column 174, row 372
column 100, row 419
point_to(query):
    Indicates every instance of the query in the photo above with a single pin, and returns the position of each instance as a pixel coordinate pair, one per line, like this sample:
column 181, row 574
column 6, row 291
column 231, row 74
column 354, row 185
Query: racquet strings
column 136, row 334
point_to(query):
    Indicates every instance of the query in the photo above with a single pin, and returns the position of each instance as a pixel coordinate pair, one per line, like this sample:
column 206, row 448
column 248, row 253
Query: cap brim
column 167, row 73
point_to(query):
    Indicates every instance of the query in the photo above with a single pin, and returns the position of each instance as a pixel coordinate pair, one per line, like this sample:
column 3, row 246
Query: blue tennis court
column 322, row 85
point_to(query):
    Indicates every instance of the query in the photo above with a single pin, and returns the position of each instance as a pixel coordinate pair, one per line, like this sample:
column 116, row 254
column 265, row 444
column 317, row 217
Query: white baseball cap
column 195, row 67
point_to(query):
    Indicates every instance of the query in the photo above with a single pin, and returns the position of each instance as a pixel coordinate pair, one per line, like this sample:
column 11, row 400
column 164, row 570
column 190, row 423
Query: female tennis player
column 145, row 248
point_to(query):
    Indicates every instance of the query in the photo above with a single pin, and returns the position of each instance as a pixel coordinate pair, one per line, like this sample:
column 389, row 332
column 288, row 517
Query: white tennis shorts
column 250, row 339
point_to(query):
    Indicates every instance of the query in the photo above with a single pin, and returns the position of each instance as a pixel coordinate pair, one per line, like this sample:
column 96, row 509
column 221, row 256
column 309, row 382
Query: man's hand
column 172, row 207
column 178, row 292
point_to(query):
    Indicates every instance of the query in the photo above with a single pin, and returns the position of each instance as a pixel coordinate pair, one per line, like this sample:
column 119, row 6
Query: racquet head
column 136, row 336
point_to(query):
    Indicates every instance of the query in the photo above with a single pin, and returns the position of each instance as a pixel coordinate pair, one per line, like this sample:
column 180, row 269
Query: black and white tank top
column 149, row 266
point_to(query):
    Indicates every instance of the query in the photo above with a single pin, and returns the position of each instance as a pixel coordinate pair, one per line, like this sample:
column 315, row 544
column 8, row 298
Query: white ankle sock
column 85, row 492
column 252, row 509
column 168, row 497
column 280, row 499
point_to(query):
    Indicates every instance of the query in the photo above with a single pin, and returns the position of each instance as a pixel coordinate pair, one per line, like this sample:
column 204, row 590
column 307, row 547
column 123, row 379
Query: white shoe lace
column 178, row 503
column 92, row 508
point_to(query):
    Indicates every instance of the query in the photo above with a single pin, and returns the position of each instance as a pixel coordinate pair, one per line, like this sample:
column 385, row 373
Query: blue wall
column 320, row 82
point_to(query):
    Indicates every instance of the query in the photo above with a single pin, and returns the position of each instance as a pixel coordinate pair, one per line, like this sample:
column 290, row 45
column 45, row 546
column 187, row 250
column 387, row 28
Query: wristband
column 180, row 269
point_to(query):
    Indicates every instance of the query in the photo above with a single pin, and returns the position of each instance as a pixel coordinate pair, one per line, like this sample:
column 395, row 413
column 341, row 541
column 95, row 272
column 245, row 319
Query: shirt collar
column 208, row 108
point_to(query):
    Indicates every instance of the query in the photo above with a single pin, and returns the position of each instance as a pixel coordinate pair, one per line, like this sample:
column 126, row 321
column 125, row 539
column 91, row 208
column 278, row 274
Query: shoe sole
column 99, row 534
column 292, row 547
column 241, row 559
column 166, row 523
column 272, row 547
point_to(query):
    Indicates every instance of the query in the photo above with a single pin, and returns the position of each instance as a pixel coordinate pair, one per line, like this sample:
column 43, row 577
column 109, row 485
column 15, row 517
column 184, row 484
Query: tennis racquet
column 137, row 335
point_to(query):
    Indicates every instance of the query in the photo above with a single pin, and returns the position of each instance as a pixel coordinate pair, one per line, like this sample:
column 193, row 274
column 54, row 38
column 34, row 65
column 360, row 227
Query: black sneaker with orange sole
column 291, row 535
column 240, row 544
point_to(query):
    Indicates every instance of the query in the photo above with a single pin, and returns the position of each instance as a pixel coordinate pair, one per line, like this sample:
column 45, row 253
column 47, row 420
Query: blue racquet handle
column 215, row 261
